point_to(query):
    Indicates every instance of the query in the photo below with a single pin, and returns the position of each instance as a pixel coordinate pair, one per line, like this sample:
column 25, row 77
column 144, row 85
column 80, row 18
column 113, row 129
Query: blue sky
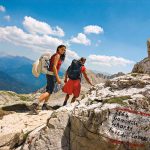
column 115, row 39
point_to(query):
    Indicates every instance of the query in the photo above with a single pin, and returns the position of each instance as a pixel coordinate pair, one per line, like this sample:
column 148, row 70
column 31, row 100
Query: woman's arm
column 56, row 59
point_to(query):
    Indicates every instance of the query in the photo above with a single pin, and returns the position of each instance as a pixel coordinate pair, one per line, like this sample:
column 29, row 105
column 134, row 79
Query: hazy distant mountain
column 11, row 84
column 104, row 76
column 18, row 70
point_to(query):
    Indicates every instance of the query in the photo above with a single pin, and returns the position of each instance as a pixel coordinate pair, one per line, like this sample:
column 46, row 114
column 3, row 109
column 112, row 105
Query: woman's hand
column 58, row 81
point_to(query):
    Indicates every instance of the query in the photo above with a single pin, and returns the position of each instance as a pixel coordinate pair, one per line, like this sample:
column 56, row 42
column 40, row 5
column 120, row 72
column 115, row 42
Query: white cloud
column 37, row 43
column 72, row 54
column 93, row 29
column 37, row 27
column 81, row 39
column 109, row 64
column 7, row 18
column 2, row 8
column 109, row 61
column 17, row 36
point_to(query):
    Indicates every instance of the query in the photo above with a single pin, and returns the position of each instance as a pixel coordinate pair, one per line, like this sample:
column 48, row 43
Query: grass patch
column 8, row 93
column 118, row 100
column 134, row 74
column 23, row 98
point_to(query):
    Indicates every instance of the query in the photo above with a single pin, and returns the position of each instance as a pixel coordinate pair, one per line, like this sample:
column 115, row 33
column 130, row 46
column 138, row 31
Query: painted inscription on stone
column 128, row 126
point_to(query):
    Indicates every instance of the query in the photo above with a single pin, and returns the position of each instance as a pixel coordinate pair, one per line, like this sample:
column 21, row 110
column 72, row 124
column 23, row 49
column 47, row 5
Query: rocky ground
column 112, row 115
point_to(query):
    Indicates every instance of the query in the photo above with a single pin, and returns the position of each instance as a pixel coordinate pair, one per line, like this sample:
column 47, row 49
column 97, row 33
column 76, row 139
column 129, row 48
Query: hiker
column 73, row 85
column 55, row 63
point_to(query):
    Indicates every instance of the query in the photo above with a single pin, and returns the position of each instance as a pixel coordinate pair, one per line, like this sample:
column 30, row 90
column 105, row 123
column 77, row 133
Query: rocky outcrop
column 144, row 65
column 112, row 115
column 148, row 47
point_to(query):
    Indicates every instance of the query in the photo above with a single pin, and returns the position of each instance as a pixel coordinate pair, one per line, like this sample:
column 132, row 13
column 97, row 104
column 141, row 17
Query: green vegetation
column 134, row 74
column 22, row 97
column 118, row 100
column 8, row 93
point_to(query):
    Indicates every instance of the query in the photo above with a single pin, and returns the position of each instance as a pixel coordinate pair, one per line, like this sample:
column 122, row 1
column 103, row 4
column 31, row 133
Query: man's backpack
column 74, row 70
column 42, row 65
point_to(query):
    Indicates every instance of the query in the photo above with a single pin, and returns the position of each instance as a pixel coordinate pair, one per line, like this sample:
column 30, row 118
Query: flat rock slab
column 20, row 123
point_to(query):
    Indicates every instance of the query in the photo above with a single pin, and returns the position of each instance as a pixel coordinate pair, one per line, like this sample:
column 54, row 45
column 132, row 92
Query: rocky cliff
column 144, row 65
column 112, row 116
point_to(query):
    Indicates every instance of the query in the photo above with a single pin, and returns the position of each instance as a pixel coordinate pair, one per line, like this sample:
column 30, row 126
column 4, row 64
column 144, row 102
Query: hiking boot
column 33, row 109
column 46, row 107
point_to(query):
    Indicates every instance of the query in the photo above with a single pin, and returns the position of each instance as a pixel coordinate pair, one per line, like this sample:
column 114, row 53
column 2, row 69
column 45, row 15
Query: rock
column 11, row 98
column 53, row 136
column 3, row 113
column 118, row 120
column 127, row 81
column 15, row 127
column 144, row 65
column 148, row 47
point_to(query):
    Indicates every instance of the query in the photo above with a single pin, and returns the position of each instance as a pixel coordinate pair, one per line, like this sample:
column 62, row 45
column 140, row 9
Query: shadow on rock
column 20, row 108
column 55, row 107
column 65, row 140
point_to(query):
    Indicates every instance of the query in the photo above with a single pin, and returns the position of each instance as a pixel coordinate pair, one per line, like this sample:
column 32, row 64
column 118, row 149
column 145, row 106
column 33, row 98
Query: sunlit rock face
column 112, row 115
column 144, row 65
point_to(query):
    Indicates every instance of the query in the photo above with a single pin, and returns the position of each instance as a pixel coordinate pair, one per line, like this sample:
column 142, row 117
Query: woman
column 55, row 63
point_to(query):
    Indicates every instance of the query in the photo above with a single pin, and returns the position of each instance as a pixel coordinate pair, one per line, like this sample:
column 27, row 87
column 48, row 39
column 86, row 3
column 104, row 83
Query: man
column 73, row 85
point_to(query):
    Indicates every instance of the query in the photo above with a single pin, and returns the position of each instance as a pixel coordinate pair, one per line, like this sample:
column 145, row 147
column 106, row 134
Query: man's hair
column 82, row 59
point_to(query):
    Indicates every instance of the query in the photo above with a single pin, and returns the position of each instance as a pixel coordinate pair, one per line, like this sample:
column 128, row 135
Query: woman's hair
column 62, row 57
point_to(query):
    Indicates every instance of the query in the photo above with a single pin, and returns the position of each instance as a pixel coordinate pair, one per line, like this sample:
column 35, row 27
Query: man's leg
column 66, row 99
column 76, row 91
column 73, row 99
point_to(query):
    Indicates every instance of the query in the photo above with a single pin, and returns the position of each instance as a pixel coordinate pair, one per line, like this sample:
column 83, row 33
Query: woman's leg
column 44, row 97
column 45, row 106
column 49, row 88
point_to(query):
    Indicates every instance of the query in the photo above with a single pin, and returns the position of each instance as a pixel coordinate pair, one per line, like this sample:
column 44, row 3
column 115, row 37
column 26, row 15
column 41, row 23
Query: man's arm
column 66, row 77
column 86, row 77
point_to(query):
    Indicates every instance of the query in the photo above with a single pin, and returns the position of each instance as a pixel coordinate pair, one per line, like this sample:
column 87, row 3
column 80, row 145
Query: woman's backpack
column 74, row 70
column 42, row 65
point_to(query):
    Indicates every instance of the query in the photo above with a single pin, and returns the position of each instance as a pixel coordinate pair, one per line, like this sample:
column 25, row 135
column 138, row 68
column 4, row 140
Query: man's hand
column 91, row 84
column 65, row 80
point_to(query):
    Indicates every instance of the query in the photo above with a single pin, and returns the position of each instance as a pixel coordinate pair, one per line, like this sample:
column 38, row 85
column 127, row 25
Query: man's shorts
column 72, row 87
column 51, row 81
